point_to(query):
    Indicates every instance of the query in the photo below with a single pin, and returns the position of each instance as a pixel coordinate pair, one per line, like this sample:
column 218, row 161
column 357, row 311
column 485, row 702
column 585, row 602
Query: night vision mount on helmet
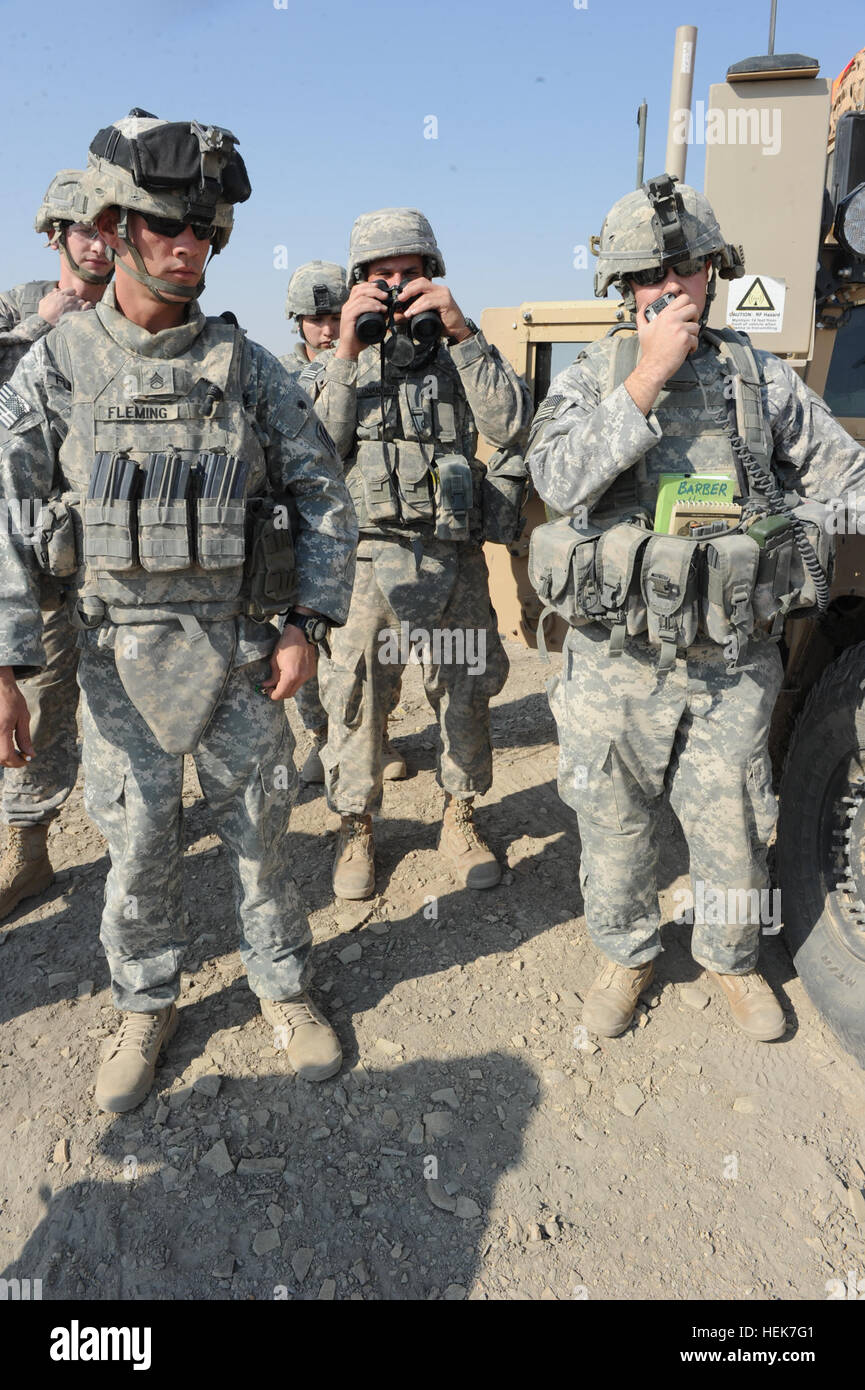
column 180, row 171
column 318, row 287
column 657, row 226
column 59, row 209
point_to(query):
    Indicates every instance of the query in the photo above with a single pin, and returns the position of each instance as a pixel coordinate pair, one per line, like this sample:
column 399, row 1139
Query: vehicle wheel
column 821, row 848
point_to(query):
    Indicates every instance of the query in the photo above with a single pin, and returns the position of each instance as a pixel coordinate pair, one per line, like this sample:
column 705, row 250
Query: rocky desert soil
column 477, row 1144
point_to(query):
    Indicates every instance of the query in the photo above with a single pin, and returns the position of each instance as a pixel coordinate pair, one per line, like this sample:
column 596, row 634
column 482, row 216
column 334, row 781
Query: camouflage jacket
column 21, row 324
column 489, row 397
column 35, row 410
column 583, row 440
column 295, row 360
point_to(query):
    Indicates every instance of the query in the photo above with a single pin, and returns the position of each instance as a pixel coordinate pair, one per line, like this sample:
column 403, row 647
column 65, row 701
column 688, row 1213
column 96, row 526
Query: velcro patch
column 324, row 438
column 12, row 407
column 546, row 410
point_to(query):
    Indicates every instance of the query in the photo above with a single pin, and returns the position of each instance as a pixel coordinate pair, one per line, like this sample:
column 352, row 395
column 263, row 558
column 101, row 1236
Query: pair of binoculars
column 372, row 327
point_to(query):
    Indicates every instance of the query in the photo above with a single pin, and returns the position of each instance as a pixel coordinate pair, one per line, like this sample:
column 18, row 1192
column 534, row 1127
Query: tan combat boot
column 393, row 767
column 126, row 1074
column 610, row 1003
column 304, row 1034
column 313, row 769
column 753, row 1005
column 353, row 860
column 25, row 869
column 468, row 854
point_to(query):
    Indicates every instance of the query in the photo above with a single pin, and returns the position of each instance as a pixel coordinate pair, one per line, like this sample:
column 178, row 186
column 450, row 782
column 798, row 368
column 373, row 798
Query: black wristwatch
column 313, row 627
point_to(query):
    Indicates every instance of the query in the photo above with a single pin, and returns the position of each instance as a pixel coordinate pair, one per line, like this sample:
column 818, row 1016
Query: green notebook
column 709, row 490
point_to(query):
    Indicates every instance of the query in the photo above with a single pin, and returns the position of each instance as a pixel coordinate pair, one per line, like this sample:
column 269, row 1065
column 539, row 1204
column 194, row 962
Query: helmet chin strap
column 711, row 287
column 160, row 288
column 89, row 278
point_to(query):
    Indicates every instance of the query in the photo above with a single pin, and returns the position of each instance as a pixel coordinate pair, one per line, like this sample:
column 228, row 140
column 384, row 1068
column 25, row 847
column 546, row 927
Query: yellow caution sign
column 755, row 304
column 755, row 298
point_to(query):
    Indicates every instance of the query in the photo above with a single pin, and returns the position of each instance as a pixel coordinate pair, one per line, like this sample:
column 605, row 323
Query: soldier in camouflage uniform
column 405, row 416
column 33, row 795
column 636, row 726
column 203, row 448
column 316, row 294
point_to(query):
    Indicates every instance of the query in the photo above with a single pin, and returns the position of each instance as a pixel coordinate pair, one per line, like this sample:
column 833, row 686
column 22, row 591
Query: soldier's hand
column 364, row 298
column 293, row 662
column 436, row 297
column 57, row 302
column 669, row 338
column 665, row 341
column 14, row 723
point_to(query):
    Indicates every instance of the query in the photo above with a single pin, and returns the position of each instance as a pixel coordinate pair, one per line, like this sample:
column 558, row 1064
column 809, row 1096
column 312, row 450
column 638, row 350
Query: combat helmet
column 392, row 232
column 318, row 287
column 661, row 224
column 180, row 171
column 60, row 207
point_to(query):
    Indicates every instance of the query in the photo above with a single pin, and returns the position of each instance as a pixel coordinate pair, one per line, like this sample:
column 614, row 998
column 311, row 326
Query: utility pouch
column 270, row 568
column 503, row 493
column 562, row 571
column 415, row 483
column 376, row 461
column 57, row 543
column 220, row 511
column 617, row 569
column 453, row 498
column 163, row 514
column 730, row 578
column 773, row 536
column 110, row 539
column 668, row 580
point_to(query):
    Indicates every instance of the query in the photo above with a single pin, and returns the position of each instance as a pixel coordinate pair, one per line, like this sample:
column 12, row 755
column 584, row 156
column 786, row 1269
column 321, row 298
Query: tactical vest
column 138, row 406
column 28, row 297
column 678, row 590
column 689, row 411
column 409, row 470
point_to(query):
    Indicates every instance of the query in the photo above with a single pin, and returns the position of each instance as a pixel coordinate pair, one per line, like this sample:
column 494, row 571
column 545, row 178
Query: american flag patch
column 546, row 410
column 12, row 407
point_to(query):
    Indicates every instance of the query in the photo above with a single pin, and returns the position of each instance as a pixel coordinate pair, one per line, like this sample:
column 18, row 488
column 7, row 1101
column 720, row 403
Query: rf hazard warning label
column 755, row 304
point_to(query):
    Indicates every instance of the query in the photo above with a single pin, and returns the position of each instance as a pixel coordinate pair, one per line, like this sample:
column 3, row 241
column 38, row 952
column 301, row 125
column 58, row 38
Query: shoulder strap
column 623, row 360
column 737, row 353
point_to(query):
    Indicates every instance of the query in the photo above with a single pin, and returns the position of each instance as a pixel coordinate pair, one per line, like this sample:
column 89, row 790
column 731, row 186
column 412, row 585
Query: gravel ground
column 476, row 1144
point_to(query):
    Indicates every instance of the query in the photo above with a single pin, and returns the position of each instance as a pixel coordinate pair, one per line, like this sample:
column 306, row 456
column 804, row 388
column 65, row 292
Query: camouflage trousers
column 33, row 795
column 132, row 791
column 310, row 708
column 697, row 735
column 360, row 684
column 312, row 711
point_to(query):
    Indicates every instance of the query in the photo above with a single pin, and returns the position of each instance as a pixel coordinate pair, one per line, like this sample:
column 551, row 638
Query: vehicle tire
column 821, row 848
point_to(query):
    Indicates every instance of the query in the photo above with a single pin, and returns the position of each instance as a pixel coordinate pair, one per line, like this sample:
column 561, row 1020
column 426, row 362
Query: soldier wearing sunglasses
column 177, row 451
column 671, row 666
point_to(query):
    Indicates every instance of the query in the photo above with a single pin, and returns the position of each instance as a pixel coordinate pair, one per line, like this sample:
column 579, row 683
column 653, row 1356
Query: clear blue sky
column 535, row 102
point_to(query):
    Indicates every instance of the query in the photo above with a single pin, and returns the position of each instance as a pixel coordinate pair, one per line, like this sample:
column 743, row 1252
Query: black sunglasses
column 173, row 226
column 655, row 276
